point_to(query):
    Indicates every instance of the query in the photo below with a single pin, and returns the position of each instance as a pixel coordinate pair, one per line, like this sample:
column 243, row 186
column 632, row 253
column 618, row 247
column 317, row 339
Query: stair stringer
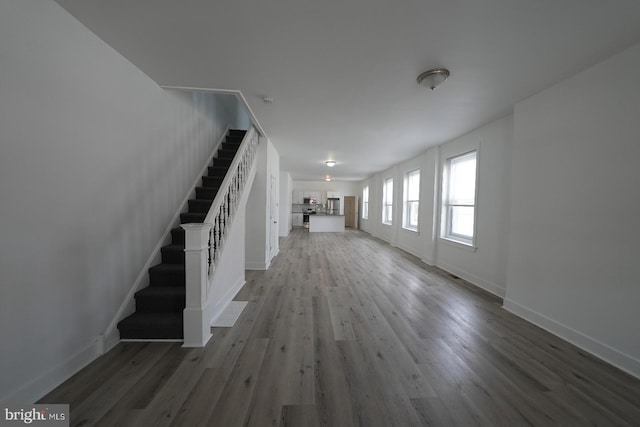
column 111, row 334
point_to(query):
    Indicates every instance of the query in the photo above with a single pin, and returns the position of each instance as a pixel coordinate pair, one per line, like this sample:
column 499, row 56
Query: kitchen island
column 326, row 223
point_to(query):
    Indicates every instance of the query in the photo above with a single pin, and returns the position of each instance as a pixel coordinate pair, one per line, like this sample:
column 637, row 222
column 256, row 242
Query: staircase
column 159, row 306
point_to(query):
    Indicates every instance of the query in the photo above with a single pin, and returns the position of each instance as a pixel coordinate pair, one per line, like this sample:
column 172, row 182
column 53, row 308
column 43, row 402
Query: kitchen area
column 318, row 211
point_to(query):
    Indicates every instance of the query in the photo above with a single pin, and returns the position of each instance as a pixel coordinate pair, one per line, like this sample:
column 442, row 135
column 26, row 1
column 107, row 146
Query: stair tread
column 200, row 205
column 173, row 247
column 208, row 179
column 168, row 267
column 156, row 291
column 173, row 253
column 142, row 317
column 206, row 193
column 188, row 217
column 150, row 325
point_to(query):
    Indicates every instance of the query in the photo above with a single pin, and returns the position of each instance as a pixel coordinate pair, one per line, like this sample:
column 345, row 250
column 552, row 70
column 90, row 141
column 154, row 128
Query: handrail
column 224, row 205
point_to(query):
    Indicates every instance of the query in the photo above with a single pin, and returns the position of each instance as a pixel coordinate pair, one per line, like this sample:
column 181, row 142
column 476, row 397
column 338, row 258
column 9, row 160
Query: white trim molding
column 474, row 280
column 52, row 378
column 603, row 351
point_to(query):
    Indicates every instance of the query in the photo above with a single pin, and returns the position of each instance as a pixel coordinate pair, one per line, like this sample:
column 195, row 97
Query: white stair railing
column 205, row 242
column 225, row 204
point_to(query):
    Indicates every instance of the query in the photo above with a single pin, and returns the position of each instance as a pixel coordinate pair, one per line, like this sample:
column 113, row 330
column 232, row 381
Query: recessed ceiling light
column 330, row 163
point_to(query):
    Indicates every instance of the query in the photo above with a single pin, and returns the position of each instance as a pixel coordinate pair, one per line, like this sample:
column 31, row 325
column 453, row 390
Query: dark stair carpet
column 159, row 306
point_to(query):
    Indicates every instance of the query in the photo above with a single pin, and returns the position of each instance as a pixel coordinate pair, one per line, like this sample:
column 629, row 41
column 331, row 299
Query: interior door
column 349, row 211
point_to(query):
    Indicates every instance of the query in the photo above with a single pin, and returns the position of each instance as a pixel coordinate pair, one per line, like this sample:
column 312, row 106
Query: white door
column 273, row 209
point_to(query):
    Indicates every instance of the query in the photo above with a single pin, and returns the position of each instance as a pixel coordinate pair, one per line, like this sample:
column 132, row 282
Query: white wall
column 286, row 185
column 347, row 188
column 229, row 275
column 486, row 265
column 95, row 159
column 273, row 171
column 573, row 245
column 258, row 238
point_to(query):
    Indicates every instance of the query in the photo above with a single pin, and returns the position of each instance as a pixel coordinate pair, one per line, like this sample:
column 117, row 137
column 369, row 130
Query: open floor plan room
column 344, row 330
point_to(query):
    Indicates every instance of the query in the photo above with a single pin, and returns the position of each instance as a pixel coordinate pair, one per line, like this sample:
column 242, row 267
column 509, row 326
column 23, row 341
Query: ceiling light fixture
column 330, row 163
column 433, row 78
column 327, row 178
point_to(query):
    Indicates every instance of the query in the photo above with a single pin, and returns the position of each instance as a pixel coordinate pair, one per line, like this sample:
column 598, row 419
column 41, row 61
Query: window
column 365, row 202
column 387, row 201
column 411, row 200
column 459, row 198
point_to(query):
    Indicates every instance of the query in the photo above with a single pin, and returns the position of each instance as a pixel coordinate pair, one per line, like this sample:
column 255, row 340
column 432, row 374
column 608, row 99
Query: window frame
column 407, row 210
column 446, row 216
column 365, row 202
column 387, row 201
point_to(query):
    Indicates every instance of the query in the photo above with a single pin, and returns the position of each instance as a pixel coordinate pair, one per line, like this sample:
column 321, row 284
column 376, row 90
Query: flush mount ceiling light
column 433, row 78
column 330, row 163
column 327, row 178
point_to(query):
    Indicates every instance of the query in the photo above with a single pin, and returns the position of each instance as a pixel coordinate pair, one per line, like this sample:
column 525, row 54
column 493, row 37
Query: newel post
column 197, row 330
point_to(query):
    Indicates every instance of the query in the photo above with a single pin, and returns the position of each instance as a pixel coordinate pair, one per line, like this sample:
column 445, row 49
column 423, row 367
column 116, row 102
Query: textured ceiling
column 343, row 73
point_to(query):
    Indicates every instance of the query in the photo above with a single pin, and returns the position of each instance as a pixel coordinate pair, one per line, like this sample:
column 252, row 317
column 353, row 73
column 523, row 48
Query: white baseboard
column 408, row 250
column 474, row 280
column 609, row 354
column 254, row 265
column 428, row 261
column 230, row 315
column 38, row 387
column 284, row 234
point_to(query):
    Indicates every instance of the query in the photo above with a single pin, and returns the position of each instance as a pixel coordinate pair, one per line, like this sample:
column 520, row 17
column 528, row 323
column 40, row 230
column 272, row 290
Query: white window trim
column 453, row 240
column 405, row 201
column 384, row 200
column 365, row 202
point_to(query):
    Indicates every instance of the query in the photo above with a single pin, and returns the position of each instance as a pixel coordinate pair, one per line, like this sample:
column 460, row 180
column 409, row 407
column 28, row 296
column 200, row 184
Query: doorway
column 350, row 211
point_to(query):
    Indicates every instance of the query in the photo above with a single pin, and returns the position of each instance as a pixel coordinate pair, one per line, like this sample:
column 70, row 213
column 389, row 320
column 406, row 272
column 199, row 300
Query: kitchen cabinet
column 311, row 195
column 326, row 223
column 297, row 198
column 296, row 220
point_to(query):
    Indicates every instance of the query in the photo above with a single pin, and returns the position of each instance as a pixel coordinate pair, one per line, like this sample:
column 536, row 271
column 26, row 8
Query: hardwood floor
column 344, row 330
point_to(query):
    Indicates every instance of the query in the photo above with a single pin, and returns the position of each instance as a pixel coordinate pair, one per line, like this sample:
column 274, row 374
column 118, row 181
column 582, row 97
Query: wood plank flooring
column 344, row 330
